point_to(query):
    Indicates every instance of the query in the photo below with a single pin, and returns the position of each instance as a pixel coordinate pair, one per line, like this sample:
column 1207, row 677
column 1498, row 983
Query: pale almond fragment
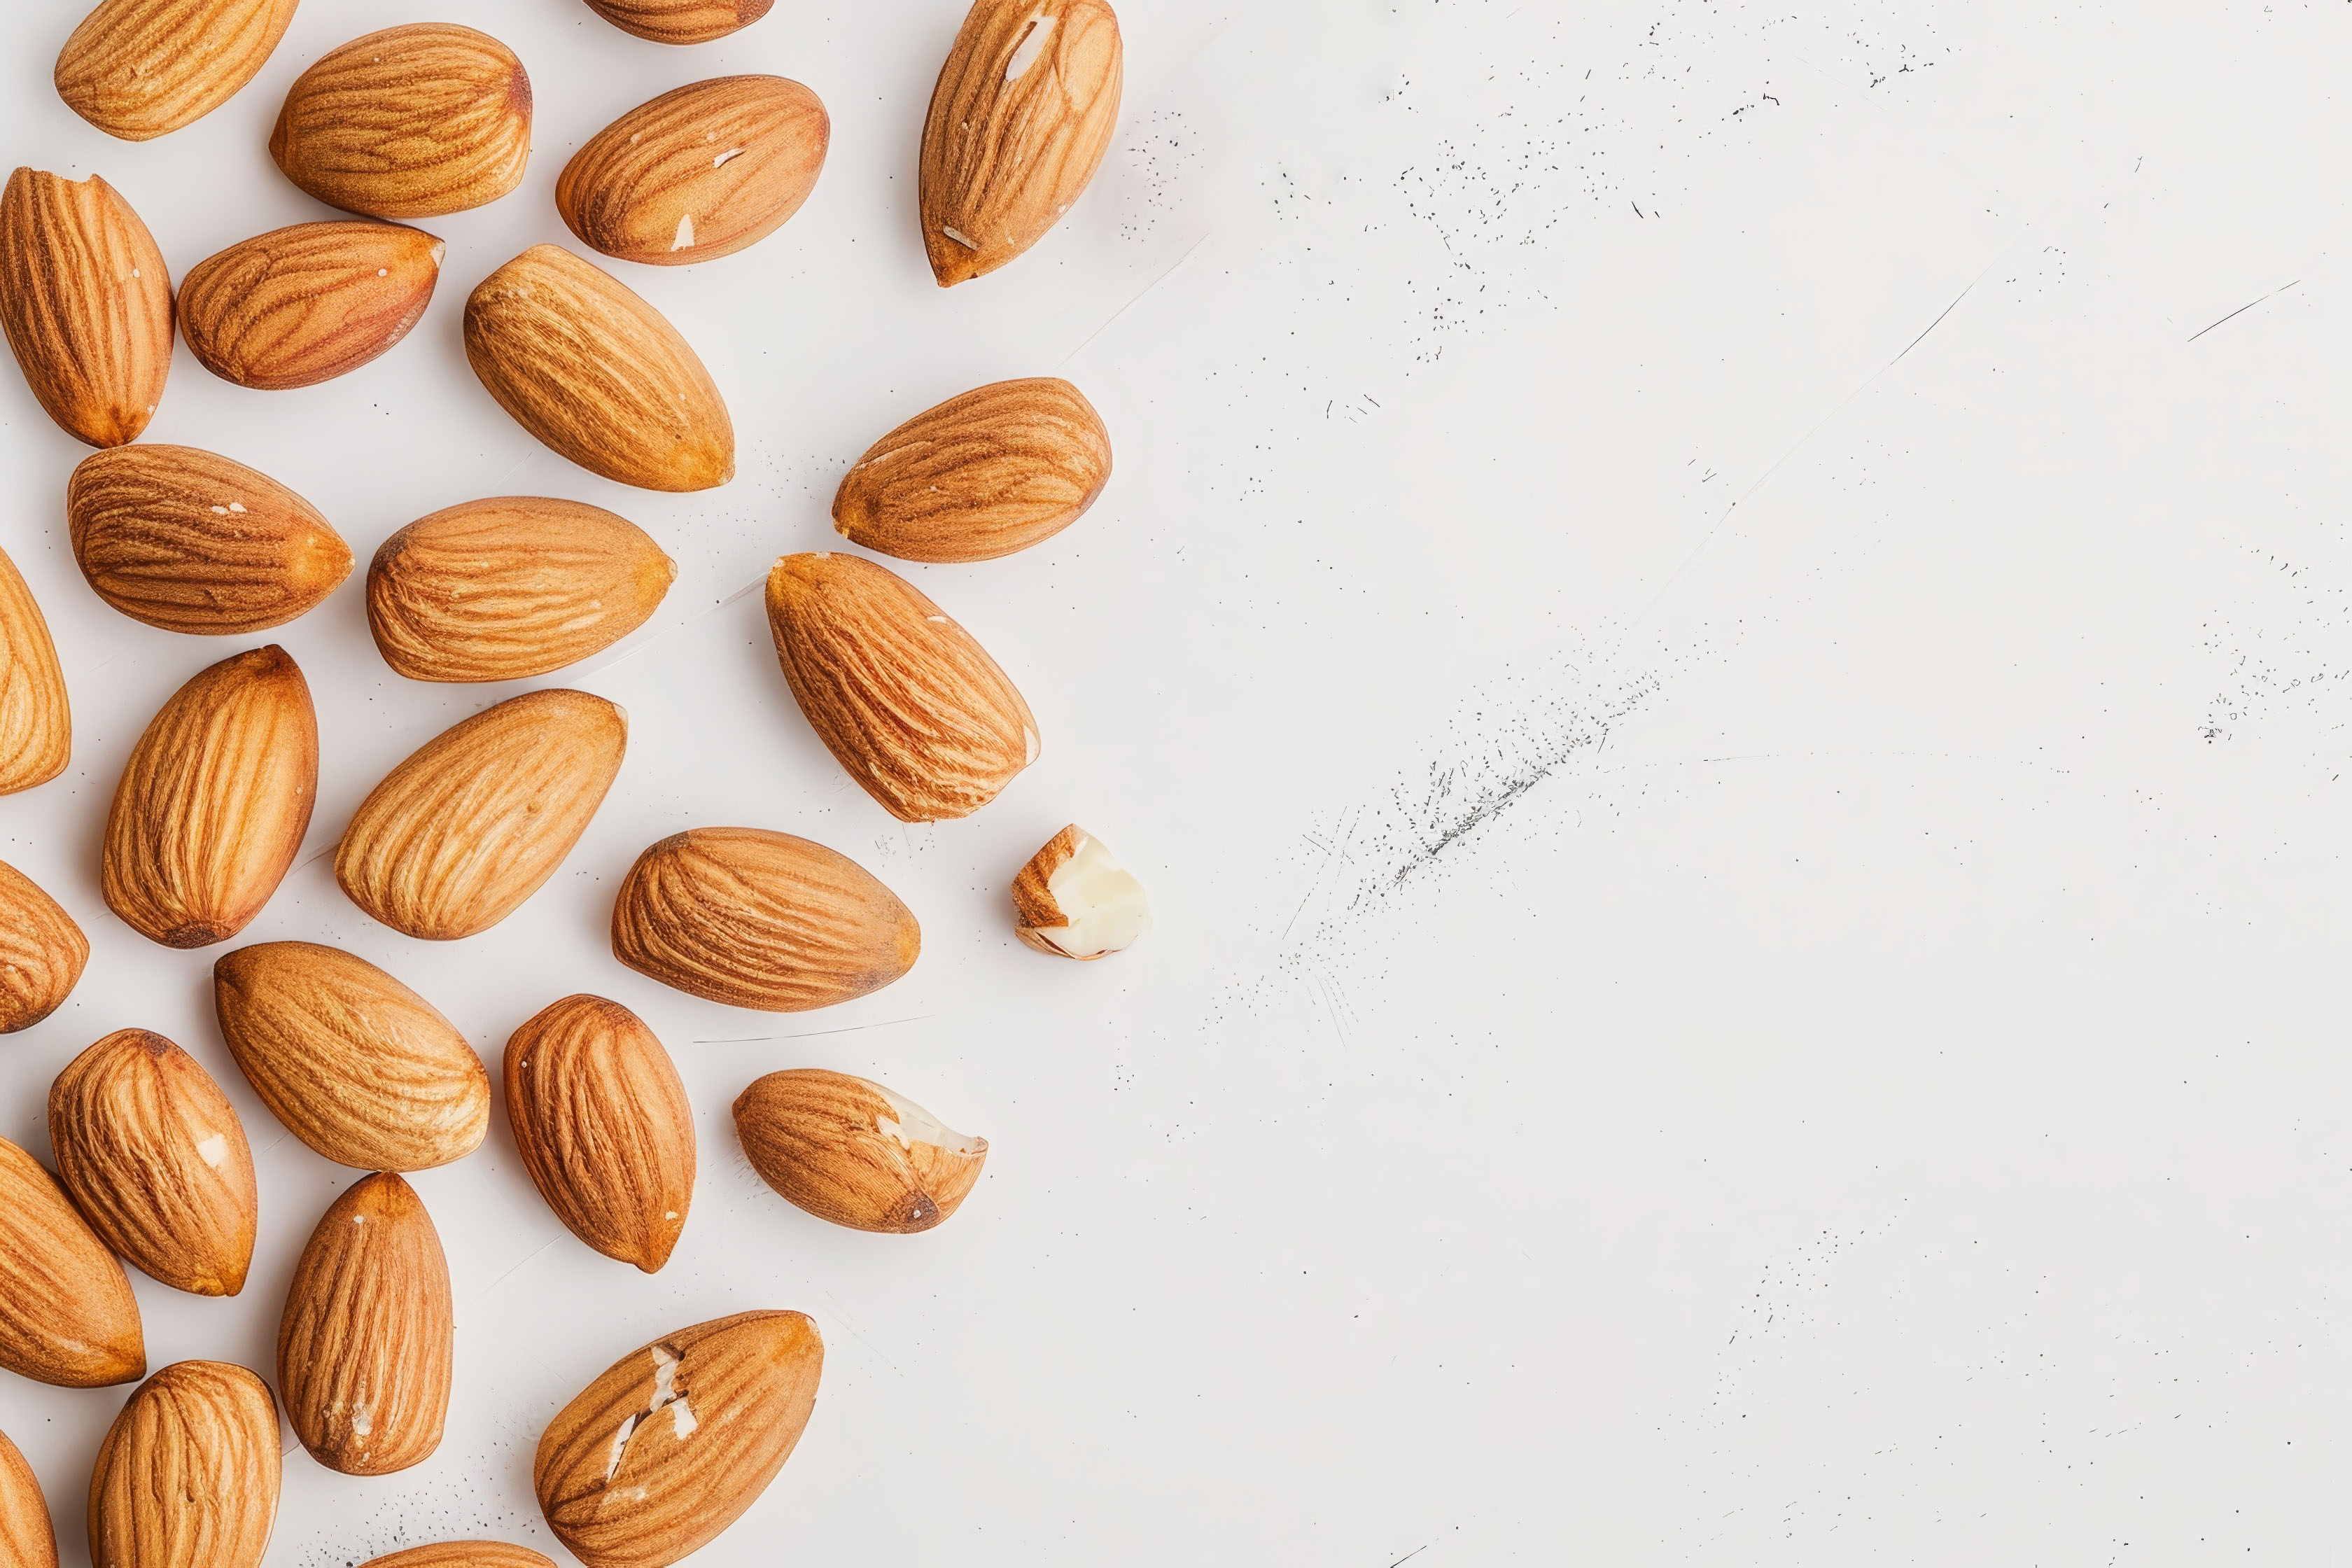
column 681, row 21
column 87, row 303
column 36, row 722
column 66, row 1314
column 1073, row 900
column 141, row 68
column 413, row 121
column 189, row 1473
column 849, row 1151
column 301, row 305
column 42, row 951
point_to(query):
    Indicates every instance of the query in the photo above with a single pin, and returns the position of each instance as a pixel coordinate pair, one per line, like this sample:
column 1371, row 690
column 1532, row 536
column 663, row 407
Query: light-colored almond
column 42, row 951
column 87, row 303
column 463, row 1554
column 188, row 1474
column 66, row 1314
column 851, row 1152
column 358, row 1066
column 413, row 121
column 28, row 1539
column 36, row 722
column 1073, row 899
column 141, row 68
column 681, row 21
column 301, row 305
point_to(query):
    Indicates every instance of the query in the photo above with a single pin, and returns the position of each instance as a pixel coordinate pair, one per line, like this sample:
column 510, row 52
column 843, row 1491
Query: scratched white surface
column 1725, row 633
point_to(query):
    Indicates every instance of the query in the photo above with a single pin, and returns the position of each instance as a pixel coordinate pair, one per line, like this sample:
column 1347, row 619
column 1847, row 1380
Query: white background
column 1735, row 703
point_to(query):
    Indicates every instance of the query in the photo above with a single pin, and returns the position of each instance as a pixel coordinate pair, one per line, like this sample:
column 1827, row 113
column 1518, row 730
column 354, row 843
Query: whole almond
column 214, row 802
column 762, row 920
column 36, row 723
column 413, row 121
column 501, row 589
column 42, row 952
column 902, row 696
column 154, row 1156
column 140, row 69
column 87, row 304
column 697, row 173
column 998, row 470
column 190, row 542
column 188, row 1474
column 661, row 1454
column 364, row 1348
column 605, row 1127
column 27, row 1540
column 681, row 21
column 355, row 1064
column 459, row 835
column 597, row 374
column 66, row 1314
column 1022, row 115
column 301, row 305
column 853, row 1153
column 463, row 1554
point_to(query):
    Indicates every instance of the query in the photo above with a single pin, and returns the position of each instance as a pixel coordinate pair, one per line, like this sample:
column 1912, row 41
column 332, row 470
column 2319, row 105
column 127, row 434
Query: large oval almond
column 413, row 121
column 189, row 1473
column 141, row 68
column 28, row 1539
column 459, row 835
column 66, row 1314
column 681, row 21
column 36, row 722
column 301, row 305
column 42, row 951
column 849, row 1151
column 87, row 304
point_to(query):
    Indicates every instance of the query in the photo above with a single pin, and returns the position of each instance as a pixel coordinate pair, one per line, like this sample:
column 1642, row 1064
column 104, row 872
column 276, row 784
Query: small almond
column 87, row 303
column 66, row 1314
column 36, row 722
column 413, row 121
column 141, row 68
column 1073, row 900
column 463, row 1554
column 301, row 305
column 853, row 1153
column 681, row 21
column 188, row 1474
column 28, row 1539
column 42, row 951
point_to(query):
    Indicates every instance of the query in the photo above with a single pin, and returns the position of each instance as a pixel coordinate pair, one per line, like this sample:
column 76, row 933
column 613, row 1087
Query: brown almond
column 28, row 1539
column 762, row 920
column 658, row 1457
column 853, row 1153
column 87, row 303
column 214, row 802
column 36, row 722
column 141, row 68
column 355, row 1064
column 42, row 951
column 301, row 305
column 413, row 121
column 605, row 1127
column 903, row 697
column 681, row 21
column 463, row 1554
column 188, row 1474
column 501, row 589
column 66, row 1314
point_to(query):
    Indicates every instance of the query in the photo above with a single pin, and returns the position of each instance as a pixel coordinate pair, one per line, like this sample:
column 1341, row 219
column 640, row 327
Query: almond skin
column 681, row 21
column 27, row 1540
column 463, row 1554
column 605, row 1127
column 214, row 802
column 851, row 1152
column 355, row 1064
column 998, row 470
column 36, row 722
column 42, row 952
column 902, row 696
column 413, row 121
column 1025, row 108
column 188, row 1474
column 761, row 919
column 662, row 1453
column 364, row 1348
column 141, row 68
column 699, row 173
column 66, row 1314
column 154, row 1155
column 501, row 589
column 459, row 835
column 597, row 374
column 301, row 305
column 190, row 542
column 87, row 303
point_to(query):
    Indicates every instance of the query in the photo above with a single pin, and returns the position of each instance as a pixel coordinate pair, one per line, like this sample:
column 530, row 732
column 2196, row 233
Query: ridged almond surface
column 191, row 541
column 66, row 1314
column 42, row 951
column 699, row 173
column 605, row 1127
column 463, row 1554
column 459, row 835
column 87, row 304
column 301, row 305
column 155, row 1157
column 36, row 723
column 501, row 589
column 998, row 470
column 762, row 920
column 853, row 1153
column 214, row 802
column 364, row 1346
column 662, row 1453
column 902, row 696
column 598, row 374
column 141, row 68
column 681, row 21
column 1023, row 112
column 356, row 1065
column 28, row 1539
column 413, row 121
column 188, row 1474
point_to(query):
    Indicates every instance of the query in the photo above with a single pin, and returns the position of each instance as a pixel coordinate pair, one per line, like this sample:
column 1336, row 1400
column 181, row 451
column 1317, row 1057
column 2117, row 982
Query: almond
column 66, row 1314
column 497, row 590
column 214, row 802
column 762, row 920
column 27, row 1540
column 902, row 696
column 597, row 374
column 301, row 305
column 154, row 1156
column 355, row 1064
column 463, row 1554
column 42, row 952
column 681, row 21
column 459, row 835
column 188, row 1474
column 1022, row 114
column 36, row 723
column 141, row 68
column 853, row 1153
column 662, row 1453
column 364, row 1349
column 998, row 470
column 413, row 121
column 699, row 173
column 605, row 1127
column 1074, row 900
column 87, row 304
column 190, row 542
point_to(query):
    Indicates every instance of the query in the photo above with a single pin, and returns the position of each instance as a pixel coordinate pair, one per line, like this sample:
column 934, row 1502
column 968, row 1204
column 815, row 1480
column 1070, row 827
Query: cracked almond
column 1073, row 900
column 851, row 1152
column 87, row 303
column 141, row 68
column 304, row 304
column 35, row 720
column 189, row 1474
column 42, row 951
column 66, row 1314
column 413, row 121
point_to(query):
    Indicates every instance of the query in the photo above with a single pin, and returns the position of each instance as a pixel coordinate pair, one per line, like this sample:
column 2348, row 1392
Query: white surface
column 1797, row 1032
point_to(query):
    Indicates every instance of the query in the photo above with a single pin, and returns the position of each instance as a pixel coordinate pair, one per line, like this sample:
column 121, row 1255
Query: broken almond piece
column 1074, row 900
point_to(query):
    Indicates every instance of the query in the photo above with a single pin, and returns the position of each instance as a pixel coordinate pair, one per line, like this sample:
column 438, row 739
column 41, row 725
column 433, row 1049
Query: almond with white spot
column 681, row 21
column 87, row 304
column 301, row 305
column 851, row 1152
column 189, row 1474
column 66, row 1314
column 413, row 121
column 35, row 720
column 1073, row 899
column 28, row 1539
column 42, row 951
